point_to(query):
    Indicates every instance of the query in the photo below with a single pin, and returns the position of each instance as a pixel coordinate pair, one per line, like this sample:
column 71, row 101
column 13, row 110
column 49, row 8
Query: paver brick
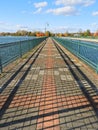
column 49, row 98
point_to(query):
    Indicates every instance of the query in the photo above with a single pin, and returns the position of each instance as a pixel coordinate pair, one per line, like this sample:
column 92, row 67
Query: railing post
column 29, row 45
column 0, row 65
column 20, row 51
column 78, row 48
column 97, row 69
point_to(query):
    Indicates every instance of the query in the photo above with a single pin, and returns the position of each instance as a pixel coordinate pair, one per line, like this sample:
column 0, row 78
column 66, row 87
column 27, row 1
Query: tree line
column 27, row 33
column 86, row 33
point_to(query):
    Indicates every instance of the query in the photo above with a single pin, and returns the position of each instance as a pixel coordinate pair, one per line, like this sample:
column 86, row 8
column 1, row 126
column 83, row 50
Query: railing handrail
column 11, row 43
column 82, row 50
column 84, row 43
column 11, row 51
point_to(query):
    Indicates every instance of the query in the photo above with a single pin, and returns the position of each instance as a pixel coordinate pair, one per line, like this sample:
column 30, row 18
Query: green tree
column 87, row 33
column 47, row 33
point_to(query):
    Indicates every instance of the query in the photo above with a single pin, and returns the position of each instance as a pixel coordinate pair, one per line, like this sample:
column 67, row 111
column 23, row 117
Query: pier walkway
column 48, row 89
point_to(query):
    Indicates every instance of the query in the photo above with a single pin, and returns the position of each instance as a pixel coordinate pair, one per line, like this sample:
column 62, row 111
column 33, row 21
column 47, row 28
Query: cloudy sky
column 54, row 15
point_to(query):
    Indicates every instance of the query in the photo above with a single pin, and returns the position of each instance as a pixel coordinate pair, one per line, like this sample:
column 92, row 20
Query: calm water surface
column 10, row 39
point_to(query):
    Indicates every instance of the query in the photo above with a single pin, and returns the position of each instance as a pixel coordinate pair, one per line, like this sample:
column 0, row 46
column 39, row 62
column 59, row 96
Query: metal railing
column 87, row 51
column 11, row 51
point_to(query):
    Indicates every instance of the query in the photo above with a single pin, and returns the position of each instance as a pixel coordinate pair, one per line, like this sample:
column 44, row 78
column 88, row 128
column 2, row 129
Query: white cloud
column 38, row 11
column 19, row 26
column 3, row 23
column 75, row 2
column 68, row 10
column 94, row 25
column 95, row 13
column 40, row 4
column 8, row 27
column 59, row 29
column 64, row 29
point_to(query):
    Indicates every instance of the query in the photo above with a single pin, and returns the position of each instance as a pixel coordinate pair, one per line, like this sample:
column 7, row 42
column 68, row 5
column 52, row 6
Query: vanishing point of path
column 48, row 90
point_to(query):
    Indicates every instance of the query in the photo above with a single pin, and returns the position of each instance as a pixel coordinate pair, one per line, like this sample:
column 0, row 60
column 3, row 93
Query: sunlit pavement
column 48, row 97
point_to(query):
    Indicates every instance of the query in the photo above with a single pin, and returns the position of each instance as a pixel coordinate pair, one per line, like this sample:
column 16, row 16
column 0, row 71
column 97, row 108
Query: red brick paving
column 49, row 89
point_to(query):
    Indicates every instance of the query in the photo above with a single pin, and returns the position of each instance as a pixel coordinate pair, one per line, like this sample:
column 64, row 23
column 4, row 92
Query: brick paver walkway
column 48, row 96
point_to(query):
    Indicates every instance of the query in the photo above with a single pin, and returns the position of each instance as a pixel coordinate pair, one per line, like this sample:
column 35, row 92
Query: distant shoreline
column 85, row 39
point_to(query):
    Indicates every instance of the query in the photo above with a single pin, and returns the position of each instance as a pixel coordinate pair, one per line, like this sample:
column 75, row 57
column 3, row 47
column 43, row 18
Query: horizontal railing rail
column 11, row 51
column 86, row 51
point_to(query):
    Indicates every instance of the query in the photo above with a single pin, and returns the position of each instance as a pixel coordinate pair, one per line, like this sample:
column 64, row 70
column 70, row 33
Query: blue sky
column 55, row 15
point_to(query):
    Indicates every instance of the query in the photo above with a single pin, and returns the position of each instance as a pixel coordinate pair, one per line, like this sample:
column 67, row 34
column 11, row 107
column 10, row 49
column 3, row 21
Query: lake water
column 10, row 39
column 12, row 48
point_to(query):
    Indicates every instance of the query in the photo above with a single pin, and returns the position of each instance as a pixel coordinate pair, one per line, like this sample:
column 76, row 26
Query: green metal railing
column 87, row 51
column 11, row 51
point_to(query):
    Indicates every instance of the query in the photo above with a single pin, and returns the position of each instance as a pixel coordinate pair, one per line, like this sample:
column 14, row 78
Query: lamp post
column 46, row 25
